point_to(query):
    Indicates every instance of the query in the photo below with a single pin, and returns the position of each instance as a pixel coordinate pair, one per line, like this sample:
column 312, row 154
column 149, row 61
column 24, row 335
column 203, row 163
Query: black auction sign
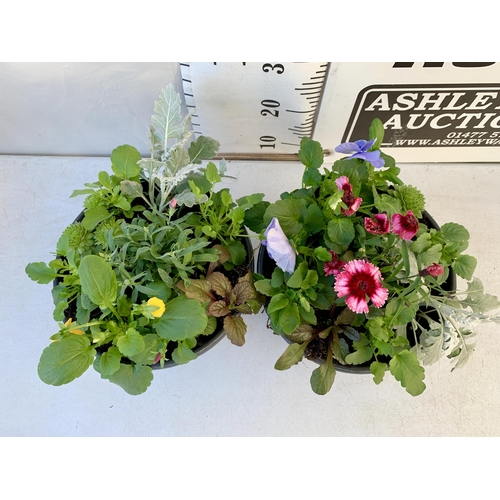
column 430, row 115
column 430, row 111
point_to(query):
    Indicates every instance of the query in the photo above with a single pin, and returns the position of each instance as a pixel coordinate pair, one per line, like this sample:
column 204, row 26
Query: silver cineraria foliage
column 460, row 319
column 170, row 166
column 167, row 116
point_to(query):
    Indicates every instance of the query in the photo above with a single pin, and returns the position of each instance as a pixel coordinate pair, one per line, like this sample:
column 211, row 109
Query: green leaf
column 323, row 254
column 182, row 354
column 250, row 200
column 378, row 369
column 40, row 272
column 152, row 346
column 277, row 278
column 79, row 192
column 105, row 179
column 203, row 148
column 66, row 359
column 292, row 355
column 110, row 362
column 299, row 274
column 362, row 354
column 133, row 379
column 378, row 329
column 254, row 217
column 422, row 243
column 406, row 369
column 341, row 231
column 388, row 204
column 123, row 203
column 454, row 232
column 62, row 245
column 431, row 255
column 266, row 288
column 237, row 251
column 406, row 257
column 322, row 378
column 402, row 310
column 289, row 318
column 464, row 265
column 94, row 216
column 376, row 131
column 311, row 279
column 59, row 310
column 310, row 153
column 131, row 343
column 124, row 162
column 289, row 212
column 235, row 329
column 312, row 177
column 211, row 326
column 98, row 280
column 183, row 318
column 212, row 174
column 277, row 302
column 314, row 221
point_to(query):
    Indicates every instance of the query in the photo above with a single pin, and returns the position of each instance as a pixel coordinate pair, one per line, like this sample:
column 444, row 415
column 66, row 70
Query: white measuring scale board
column 255, row 110
column 432, row 112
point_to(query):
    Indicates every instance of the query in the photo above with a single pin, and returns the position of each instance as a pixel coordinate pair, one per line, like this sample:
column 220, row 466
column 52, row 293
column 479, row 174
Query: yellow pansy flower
column 76, row 331
column 159, row 304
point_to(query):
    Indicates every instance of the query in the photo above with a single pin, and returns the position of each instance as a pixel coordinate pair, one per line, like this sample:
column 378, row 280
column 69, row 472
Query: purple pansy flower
column 359, row 149
column 279, row 247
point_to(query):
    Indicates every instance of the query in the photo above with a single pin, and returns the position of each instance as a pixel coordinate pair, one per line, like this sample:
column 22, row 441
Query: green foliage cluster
column 422, row 319
column 152, row 231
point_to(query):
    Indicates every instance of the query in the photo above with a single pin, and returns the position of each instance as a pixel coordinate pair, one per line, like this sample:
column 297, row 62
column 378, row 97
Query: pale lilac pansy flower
column 359, row 149
column 279, row 247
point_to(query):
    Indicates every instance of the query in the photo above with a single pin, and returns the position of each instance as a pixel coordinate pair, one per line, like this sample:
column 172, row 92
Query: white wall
column 79, row 108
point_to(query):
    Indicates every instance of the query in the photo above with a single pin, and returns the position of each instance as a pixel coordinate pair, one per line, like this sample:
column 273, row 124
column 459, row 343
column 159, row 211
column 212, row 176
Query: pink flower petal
column 342, row 181
column 405, row 226
column 357, row 304
column 380, row 225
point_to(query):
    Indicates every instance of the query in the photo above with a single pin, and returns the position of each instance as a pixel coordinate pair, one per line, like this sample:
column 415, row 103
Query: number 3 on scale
column 271, row 67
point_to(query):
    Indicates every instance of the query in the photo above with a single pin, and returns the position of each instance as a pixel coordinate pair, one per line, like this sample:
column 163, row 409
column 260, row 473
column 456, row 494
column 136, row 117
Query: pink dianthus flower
column 405, row 226
column 380, row 225
column 360, row 281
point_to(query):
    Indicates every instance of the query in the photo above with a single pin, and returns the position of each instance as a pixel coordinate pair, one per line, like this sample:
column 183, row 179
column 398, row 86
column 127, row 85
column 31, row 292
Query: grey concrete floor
column 232, row 391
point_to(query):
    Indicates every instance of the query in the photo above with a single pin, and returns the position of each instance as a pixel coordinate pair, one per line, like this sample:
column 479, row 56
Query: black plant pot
column 266, row 266
column 203, row 342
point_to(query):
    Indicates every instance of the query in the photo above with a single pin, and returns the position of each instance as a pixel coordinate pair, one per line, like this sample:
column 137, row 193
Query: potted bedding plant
column 359, row 277
column 156, row 268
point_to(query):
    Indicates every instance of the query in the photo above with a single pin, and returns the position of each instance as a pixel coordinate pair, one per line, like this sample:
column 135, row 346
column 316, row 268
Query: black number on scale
column 270, row 106
column 270, row 103
column 270, row 139
column 272, row 67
